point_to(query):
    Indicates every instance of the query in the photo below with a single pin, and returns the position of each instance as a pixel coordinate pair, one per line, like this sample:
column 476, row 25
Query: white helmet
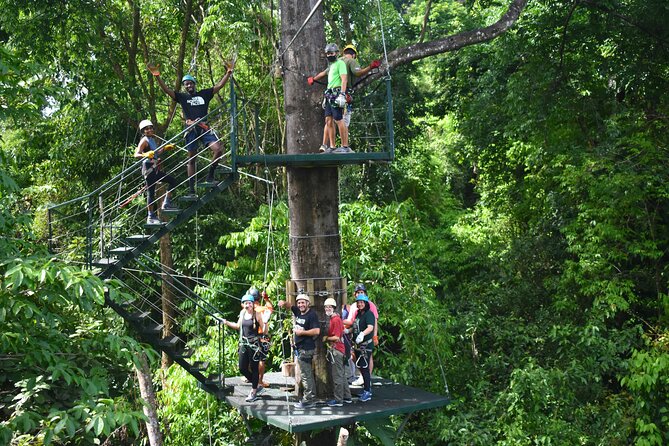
column 302, row 296
column 145, row 123
column 330, row 302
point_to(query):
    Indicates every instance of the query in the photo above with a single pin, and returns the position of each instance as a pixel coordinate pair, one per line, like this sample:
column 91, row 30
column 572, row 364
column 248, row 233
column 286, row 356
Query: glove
column 153, row 68
column 375, row 64
column 347, row 330
column 149, row 154
column 310, row 80
column 341, row 100
column 168, row 147
column 360, row 338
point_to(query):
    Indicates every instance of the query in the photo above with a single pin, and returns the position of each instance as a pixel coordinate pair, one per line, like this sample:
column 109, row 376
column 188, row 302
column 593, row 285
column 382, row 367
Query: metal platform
column 314, row 159
column 276, row 406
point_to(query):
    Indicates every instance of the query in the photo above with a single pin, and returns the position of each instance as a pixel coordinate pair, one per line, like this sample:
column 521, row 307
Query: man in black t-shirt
column 306, row 329
column 195, row 106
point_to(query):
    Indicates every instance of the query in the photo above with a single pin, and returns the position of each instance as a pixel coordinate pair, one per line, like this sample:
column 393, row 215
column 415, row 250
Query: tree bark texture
column 313, row 193
column 149, row 396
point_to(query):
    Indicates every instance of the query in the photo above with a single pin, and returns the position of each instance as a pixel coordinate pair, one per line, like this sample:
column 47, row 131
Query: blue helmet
column 188, row 77
column 247, row 298
column 362, row 297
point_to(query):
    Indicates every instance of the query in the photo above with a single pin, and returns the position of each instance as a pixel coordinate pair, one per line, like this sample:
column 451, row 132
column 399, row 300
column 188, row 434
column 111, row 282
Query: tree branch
column 426, row 18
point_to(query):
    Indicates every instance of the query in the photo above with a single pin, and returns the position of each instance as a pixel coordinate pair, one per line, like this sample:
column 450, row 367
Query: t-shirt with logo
column 197, row 105
column 307, row 321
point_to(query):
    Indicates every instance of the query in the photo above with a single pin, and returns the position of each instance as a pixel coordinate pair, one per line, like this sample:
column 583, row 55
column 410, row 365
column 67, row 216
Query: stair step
column 156, row 329
column 139, row 316
column 155, row 226
column 102, row 263
column 170, row 212
column 200, row 365
column 189, row 198
column 185, row 353
column 170, row 341
column 137, row 239
column 215, row 380
column 207, row 184
column 121, row 250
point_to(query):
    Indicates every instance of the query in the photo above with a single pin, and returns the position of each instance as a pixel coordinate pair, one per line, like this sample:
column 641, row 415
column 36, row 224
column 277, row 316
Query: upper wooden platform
column 276, row 406
column 314, row 159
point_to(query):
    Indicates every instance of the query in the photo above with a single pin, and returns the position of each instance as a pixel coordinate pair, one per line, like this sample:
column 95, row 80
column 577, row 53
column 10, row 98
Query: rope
column 383, row 38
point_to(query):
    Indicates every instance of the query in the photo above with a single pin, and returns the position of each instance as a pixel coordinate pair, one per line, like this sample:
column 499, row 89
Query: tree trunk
column 313, row 195
column 149, row 396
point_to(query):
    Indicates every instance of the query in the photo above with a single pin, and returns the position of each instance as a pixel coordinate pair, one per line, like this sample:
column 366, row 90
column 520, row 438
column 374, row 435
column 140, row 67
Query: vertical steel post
column 50, row 222
column 89, row 233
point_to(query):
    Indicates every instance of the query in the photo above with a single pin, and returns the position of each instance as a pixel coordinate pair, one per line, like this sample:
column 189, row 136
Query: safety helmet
column 188, row 77
column 360, row 287
column 247, row 298
column 362, row 297
column 330, row 302
column 145, row 123
column 350, row 47
column 331, row 48
column 253, row 291
column 302, row 296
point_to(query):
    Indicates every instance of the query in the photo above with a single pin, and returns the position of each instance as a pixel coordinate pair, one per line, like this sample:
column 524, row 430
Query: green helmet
column 188, row 77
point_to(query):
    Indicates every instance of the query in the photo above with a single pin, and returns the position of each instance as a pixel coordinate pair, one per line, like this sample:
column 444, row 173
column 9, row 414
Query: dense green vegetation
column 521, row 233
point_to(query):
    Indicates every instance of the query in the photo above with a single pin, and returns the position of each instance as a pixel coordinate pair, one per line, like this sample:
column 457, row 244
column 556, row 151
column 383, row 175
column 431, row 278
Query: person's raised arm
column 224, row 79
column 154, row 69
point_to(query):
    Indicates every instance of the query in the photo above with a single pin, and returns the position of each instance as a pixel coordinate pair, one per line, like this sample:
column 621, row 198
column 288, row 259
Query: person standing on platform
column 306, row 330
column 334, row 101
column 249, row 324
column 195, row 107
column 363, row 329
column 350, row 58
column 336, row 355
column 264, row 306
column 360, row 289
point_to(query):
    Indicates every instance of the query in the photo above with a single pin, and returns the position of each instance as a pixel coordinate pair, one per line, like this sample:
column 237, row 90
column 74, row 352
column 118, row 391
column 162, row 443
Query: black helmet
column 360, row 287
column 253, row 291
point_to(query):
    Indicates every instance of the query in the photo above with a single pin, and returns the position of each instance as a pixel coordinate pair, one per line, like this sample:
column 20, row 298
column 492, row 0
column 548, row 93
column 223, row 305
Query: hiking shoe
column 343, row 149
column 260, row 390
column 365, row 396
column 324, row 149
column 334, row 403
column 302, row 405
column 168, row 206
column 252, row 397
column 210, row 180
column 153, row 221
column 348, row 400
column 358, row 382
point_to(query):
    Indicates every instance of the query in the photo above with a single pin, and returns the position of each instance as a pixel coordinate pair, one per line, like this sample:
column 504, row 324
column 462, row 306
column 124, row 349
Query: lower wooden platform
column 276, row 406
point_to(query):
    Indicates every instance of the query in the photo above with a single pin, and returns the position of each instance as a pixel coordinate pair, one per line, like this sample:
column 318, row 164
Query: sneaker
column 334, row 403
column 260, row 390
column 358, row 382
column 191, row 196
column 348, row 400
column 302, row 405
column 323, row 148
column 252, row 397
column 153, row 221
column 365, row 396
column 168, row 206
column 343, row 149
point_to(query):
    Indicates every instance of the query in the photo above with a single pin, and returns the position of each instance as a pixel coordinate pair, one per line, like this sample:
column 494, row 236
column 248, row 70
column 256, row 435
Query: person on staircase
column 147, row 148
column 363, row 329
column 334, row 101
column 263, row 305
column 336, row 355
column 306, row 329
column 350, row 58
column 360, row 289
column 195, row 107
column 249, row 323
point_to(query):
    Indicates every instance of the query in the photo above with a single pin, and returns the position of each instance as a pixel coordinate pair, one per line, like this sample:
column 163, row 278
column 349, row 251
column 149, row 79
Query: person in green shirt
column 354, row 71
column 334, row 101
